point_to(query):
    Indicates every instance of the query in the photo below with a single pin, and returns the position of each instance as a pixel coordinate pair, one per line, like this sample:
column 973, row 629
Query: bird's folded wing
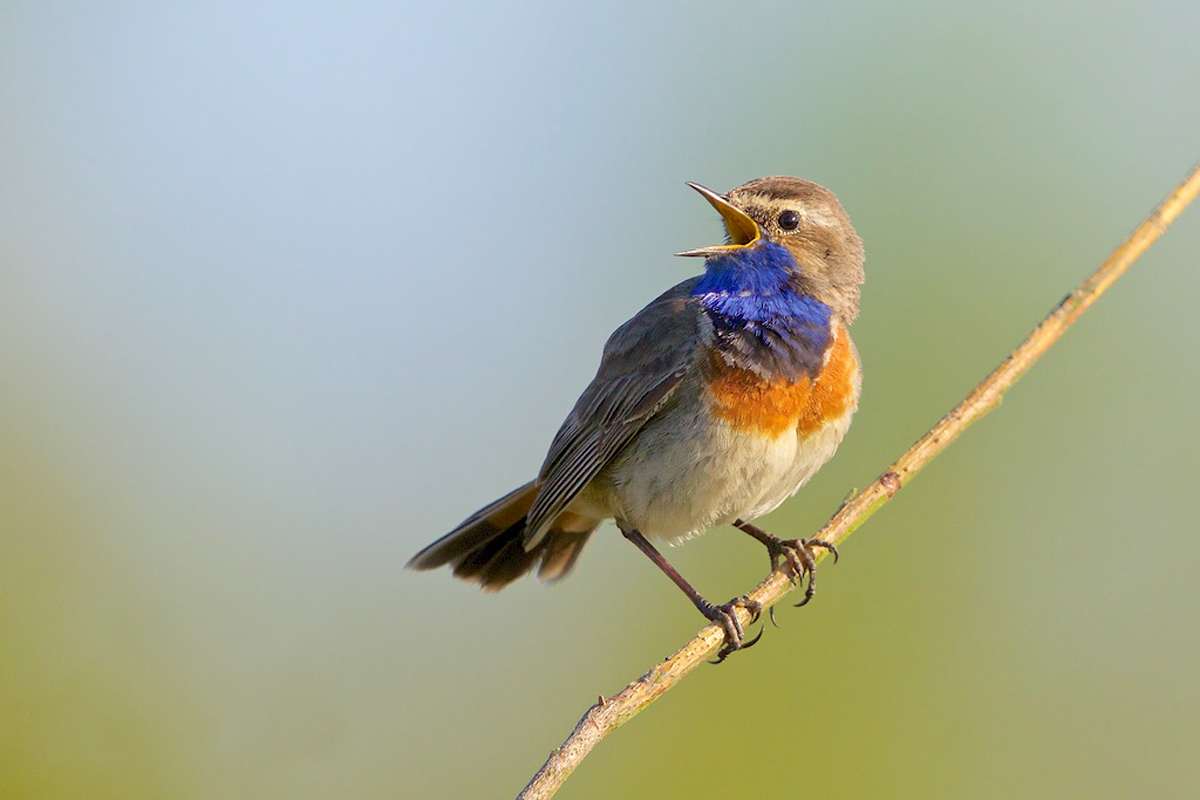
column 644, row 362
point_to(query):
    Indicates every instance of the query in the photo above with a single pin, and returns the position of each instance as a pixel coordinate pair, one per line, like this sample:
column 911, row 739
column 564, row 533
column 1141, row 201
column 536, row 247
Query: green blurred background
column 288, row 289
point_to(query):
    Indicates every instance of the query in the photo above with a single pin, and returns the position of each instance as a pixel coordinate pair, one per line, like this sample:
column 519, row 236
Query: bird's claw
column 797, row 559
column 735, row 634
column 794, row 556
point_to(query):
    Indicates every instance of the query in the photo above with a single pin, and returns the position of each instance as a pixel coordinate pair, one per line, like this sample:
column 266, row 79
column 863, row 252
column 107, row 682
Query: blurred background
column 287, row 290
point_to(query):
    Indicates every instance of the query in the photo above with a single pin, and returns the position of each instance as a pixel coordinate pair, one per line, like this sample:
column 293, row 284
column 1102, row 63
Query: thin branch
column 610, row 713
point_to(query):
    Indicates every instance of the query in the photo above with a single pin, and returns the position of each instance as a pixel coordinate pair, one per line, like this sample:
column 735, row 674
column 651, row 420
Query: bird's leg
column 724, row 615
column 796, row 556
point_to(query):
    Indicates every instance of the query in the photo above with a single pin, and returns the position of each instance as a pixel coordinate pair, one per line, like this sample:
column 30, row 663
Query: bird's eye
column 789, row 220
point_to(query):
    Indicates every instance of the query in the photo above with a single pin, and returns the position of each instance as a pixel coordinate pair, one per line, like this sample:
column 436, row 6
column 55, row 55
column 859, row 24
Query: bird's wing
column 644, row 361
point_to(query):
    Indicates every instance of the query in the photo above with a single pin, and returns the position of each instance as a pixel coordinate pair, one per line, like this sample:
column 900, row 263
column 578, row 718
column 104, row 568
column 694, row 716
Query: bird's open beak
column 743, row 231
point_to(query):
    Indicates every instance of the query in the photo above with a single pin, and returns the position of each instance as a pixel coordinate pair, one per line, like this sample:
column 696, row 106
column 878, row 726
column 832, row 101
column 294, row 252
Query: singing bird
column 712, row 405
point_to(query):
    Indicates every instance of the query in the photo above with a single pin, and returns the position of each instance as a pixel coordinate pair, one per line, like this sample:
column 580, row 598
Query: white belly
column 690, row 472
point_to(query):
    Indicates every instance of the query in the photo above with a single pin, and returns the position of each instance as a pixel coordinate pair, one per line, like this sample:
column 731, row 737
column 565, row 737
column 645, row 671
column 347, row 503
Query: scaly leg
column 723, row 615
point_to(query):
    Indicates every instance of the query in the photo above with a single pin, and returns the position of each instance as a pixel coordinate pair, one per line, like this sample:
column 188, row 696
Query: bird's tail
column 488, row 547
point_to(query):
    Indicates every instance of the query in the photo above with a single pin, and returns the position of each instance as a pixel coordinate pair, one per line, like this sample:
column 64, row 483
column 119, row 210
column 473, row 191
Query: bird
column 711, row 406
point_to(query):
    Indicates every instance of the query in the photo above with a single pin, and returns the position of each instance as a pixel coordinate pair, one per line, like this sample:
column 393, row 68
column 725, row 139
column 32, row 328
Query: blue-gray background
column 288, row 289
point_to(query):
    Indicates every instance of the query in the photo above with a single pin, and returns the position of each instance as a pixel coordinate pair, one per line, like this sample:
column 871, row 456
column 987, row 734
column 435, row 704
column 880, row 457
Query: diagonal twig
column 609, row 713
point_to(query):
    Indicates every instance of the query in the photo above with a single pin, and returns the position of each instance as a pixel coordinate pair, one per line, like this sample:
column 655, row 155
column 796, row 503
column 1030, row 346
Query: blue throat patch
column 761, row 322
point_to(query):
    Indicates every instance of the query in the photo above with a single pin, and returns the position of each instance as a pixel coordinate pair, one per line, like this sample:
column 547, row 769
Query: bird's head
column 794, row 225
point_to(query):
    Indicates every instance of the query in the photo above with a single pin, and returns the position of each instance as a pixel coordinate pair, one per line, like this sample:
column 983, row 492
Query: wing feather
column 643, row 364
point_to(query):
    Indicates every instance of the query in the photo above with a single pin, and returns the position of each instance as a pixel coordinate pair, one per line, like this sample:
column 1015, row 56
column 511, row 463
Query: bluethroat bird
column 711, row 406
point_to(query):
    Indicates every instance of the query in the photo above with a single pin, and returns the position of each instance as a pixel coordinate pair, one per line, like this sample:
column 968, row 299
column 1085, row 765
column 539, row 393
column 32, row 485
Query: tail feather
column 488, row 547
column 562, row 547
column 478, row 529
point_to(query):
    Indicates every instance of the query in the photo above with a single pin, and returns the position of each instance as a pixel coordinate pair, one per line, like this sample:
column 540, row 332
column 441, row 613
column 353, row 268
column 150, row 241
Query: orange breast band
column 750, row 402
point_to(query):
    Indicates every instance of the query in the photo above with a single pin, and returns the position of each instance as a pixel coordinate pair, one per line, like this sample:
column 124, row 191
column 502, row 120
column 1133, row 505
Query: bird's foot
column 798, row 558
column 735, row 635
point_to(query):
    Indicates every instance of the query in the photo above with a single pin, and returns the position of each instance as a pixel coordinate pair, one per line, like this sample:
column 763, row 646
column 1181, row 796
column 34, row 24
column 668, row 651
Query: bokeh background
column 288, row 289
